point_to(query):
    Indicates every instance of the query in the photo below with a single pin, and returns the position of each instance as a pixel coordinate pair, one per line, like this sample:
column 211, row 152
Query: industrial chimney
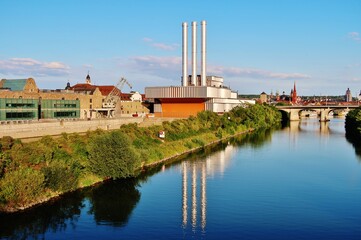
column 194, row 53
column 203, row 74
column 203, row 55
column 185, row 55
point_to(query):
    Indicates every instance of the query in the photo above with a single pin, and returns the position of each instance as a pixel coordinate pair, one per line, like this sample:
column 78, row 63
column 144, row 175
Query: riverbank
column 92, row 181
column 36, row 172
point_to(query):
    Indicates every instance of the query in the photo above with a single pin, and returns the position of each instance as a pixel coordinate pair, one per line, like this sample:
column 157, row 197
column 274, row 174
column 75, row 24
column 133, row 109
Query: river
column 299, row 182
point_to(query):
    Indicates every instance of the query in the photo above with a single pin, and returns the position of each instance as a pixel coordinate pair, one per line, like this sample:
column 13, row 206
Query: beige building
column 91, row 97
column 263, row 97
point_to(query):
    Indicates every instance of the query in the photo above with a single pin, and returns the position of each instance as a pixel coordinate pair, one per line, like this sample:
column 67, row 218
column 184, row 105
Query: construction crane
column 112, row 98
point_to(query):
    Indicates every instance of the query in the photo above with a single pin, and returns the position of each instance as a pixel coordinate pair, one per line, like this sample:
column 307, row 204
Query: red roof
column 84, row 87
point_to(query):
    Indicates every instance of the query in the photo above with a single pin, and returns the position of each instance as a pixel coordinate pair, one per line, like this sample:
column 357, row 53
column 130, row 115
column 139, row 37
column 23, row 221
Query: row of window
column 20, row 115
column 33, row 115
column 20, row 105
column 61, row 105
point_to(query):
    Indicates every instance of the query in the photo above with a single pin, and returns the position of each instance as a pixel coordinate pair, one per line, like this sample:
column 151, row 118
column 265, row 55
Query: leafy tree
column 60, row 177
column 21, row 186
column 111, row 155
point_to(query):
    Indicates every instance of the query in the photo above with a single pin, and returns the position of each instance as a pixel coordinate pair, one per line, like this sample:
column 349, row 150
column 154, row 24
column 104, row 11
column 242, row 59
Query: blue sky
column 256, row 45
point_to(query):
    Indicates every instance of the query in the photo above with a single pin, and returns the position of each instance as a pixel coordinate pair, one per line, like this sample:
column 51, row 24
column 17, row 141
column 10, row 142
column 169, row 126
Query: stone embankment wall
column 34, row 129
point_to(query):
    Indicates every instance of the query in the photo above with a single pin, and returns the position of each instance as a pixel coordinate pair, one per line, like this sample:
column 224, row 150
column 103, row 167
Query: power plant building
column 198, row 92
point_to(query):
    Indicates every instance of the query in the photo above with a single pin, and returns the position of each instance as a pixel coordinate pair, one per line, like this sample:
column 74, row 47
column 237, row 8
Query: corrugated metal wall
column 188, row 92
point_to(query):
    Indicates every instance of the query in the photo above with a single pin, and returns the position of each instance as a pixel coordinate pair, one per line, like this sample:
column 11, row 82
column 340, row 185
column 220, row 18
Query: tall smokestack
column 185, row 55
column 194, row 53
column 203, row 55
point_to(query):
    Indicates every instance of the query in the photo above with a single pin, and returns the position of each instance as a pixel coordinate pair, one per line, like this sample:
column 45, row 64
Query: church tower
column 348, row 95
column 294, row 94
column 87, row 79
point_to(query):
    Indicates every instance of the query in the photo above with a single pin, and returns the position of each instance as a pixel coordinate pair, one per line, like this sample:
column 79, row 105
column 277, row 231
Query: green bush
column 6, row 143
column 353, row 123
column 21, row 186
column 111, row 155
column 60, row 177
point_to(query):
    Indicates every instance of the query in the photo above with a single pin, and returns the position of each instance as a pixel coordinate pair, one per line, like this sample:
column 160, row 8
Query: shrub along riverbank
column 31, row 173
column 353, row 123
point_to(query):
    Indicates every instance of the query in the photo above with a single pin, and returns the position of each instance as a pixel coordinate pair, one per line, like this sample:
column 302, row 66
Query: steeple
column 67, row 86
column 294, row 93
column 87, row 79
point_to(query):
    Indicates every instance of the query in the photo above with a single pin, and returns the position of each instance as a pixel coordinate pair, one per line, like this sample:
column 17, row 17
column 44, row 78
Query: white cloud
column 31, row 67
column 54, row 65
column 252, row 73
column 355, row 79
column 165, row 67
column 161, row 46
column 171, row 67
column 147, row 39
column 89, row 66
column 165, row 47
column 354, row 36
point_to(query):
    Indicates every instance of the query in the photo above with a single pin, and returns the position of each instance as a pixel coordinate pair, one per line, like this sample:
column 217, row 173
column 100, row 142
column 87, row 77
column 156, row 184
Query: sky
column 255, row 45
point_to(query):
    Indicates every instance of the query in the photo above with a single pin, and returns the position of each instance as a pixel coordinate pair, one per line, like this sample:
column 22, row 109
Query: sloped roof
column 104, row 89
column 14, row 84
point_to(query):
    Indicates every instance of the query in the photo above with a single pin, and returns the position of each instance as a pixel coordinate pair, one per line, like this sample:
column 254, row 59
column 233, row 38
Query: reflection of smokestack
column 194, row 196
column 185, row 195
column 185, row 55
column 194, row 53
column 203, row 54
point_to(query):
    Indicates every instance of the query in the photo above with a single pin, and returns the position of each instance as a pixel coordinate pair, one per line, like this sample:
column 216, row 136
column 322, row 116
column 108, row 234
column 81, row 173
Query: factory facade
column 198, row 92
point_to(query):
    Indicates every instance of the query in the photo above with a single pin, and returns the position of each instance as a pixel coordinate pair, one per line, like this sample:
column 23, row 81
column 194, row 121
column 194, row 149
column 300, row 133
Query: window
column 19, row 115
column 65, row 114
column 90, row 100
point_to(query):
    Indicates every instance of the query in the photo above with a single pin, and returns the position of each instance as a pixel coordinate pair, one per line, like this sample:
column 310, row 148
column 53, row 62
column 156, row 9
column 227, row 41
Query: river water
column 299, row 182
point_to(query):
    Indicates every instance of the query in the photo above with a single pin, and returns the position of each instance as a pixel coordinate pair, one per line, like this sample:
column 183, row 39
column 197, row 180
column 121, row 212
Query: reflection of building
column 193, row 167
column 194, row 190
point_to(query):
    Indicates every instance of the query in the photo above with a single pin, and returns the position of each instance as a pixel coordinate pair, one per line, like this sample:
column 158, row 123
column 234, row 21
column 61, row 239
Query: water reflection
column 55, row 216
column 198, row 170
column 354, row 139
column 111, row 203
column 194, row 169
column 325, row 129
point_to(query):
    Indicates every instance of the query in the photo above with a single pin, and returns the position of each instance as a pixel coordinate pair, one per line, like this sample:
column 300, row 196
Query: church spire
column 294, row 93
column 87, row 79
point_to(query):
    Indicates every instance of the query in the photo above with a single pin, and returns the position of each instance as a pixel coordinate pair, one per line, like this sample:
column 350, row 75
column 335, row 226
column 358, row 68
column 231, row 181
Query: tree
column 111, row 155
column 21, row 186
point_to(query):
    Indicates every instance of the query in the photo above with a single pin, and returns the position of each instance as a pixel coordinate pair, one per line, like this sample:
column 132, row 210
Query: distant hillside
column 248, row 96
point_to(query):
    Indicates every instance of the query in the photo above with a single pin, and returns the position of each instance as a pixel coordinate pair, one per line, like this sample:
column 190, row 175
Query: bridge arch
column 293, row 112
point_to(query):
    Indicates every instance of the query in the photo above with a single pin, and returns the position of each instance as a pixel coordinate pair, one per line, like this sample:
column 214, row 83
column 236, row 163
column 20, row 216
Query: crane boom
column 111, row 99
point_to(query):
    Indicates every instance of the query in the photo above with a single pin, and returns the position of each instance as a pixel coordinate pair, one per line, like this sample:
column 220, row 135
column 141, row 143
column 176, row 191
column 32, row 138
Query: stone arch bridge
column 294, row 112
